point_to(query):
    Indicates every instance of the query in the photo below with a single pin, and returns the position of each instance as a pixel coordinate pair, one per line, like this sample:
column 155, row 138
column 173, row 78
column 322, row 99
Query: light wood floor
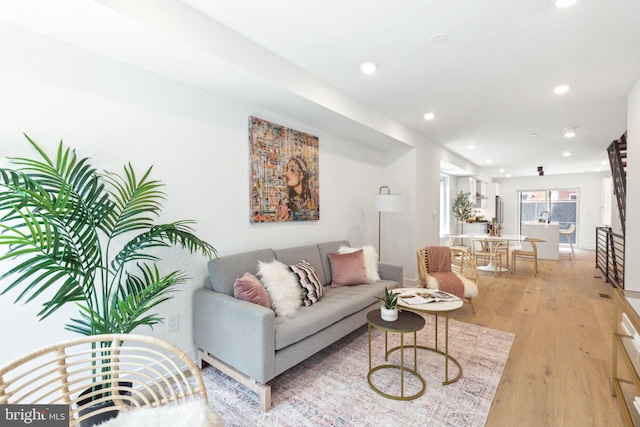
column 559, row 369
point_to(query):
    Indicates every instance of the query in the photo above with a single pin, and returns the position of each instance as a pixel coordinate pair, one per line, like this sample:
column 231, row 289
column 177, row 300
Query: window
column 445, row 218
column 561, row 206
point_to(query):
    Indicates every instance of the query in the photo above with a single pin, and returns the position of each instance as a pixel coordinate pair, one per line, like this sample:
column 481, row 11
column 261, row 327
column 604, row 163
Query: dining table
column 491, row 239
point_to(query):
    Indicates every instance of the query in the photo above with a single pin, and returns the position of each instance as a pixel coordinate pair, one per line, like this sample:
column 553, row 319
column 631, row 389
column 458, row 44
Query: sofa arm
column 391, row 272
column 239, row 333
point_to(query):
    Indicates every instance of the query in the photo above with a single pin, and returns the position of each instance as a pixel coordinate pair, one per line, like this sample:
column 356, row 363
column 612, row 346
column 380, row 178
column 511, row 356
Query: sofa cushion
column 312, row 289
column 347, row 269
column 294, row 255
column 335, row 305
column 370, row 260
column 224, row 271
column 249, row 288
column 282, row 286
column 327, row 248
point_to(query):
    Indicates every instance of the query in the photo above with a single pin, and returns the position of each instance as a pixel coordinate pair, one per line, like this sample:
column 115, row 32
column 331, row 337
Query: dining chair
column 569, row 232
column 489, row 251
column 531, row 255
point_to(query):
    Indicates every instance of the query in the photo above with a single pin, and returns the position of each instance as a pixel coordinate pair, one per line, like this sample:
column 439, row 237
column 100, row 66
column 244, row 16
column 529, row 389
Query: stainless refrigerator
column 499, row 210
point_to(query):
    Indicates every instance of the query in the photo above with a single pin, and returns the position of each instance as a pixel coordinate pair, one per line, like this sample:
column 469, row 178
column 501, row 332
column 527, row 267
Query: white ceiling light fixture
column 489, row 161
column 369, row 68
column 567, row 153
column 429, row 116
column 501, row 170
column 439, row 38
column 565, row 3
column 471, row 147
column 570, row 132
column 561, row 89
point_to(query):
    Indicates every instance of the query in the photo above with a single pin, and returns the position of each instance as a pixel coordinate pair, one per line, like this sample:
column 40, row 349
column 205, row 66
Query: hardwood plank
column 559, row 368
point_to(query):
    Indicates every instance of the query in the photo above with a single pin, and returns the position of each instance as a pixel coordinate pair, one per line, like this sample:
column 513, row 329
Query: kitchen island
column 548, row 232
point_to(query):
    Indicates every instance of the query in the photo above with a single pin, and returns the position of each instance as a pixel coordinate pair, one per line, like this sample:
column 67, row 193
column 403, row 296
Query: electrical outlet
column 172, row 323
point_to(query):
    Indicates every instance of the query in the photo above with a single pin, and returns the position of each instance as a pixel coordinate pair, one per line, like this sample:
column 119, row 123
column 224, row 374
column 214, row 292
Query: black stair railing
column 610, row 256
column 617, row 151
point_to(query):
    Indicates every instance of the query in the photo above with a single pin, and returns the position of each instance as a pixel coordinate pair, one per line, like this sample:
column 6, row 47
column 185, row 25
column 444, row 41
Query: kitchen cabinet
column 481, row 194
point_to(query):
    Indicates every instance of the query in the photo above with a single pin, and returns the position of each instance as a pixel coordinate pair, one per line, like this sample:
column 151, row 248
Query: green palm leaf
column 59, row 219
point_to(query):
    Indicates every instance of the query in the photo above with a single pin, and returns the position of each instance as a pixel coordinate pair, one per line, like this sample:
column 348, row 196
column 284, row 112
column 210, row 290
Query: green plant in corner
column 88, row 238
column 389, row 300
column 463, row 208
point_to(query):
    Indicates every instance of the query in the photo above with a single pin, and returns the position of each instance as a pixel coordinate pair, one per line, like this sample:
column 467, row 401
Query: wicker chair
column 132, row 370
column 462, row 263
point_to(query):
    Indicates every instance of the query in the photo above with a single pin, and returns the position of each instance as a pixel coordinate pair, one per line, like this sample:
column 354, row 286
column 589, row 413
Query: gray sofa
column 249, row 343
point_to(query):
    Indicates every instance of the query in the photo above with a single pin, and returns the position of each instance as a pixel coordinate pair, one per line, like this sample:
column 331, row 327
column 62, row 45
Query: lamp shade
column 388, row 202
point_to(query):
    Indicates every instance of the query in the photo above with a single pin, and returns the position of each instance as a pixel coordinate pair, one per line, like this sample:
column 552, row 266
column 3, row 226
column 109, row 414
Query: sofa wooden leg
column 262, row 390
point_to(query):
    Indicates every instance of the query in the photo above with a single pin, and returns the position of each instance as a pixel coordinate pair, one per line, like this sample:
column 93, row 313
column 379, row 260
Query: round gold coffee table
column 407, row 322
column 437, row 309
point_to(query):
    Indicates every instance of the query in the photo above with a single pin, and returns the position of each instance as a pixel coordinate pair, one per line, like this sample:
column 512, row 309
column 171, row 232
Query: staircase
column 609, row 245
column 618, row 160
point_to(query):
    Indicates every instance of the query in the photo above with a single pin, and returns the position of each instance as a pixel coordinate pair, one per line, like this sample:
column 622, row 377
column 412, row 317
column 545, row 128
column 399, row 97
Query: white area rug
column 331, row 388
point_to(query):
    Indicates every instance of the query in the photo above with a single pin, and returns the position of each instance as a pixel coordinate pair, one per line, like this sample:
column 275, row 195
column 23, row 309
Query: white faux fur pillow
column 370, row 260
column 470, row 288
column 192, row 413
column 282, row 286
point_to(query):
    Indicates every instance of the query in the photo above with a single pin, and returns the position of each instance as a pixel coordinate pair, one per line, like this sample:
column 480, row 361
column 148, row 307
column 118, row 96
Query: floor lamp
column 386, row 202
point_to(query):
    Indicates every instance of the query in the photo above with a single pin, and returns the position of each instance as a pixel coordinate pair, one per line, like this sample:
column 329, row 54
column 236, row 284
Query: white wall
column 632, row 227
column 198, row 145
column 589, row 201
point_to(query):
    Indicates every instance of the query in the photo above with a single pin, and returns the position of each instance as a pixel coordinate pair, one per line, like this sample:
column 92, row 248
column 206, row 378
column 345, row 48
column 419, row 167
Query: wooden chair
column 531, row 255
column 490, row 252
column 462, row 264
column 568, row 232
column 130, row 371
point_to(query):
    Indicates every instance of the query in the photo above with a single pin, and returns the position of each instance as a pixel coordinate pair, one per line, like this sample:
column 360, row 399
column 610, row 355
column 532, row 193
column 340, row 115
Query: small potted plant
column 389, row 309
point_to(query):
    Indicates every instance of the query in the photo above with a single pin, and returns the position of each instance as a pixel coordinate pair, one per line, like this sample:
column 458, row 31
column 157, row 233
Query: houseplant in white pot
column 88, row 238
column 389, row 308
column 463, row 208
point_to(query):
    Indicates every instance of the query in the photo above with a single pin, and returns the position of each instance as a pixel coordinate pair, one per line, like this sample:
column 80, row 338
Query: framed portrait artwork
column 284, row 173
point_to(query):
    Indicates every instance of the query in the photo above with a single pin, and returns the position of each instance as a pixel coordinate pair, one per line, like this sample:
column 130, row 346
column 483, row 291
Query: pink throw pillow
column 347, row 269
column 249, row 288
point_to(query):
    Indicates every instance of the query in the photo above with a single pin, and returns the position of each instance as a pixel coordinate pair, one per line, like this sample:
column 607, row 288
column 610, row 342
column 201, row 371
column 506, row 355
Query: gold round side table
column 407, row 322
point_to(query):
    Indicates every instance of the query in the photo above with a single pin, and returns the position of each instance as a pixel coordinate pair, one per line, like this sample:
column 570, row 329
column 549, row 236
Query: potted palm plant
column 389, row 309
column 88, row 238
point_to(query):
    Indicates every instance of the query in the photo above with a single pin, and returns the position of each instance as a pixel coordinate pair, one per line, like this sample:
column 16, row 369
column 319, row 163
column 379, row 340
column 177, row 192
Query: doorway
column 561, row 206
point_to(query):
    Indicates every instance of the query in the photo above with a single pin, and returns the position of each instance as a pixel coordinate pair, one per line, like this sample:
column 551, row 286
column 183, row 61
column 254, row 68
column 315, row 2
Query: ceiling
column 487, row 76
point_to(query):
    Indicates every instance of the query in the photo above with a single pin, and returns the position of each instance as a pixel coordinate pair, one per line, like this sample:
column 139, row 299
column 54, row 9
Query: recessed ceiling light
column 429, row 116
column 569, row 132
column 369, row 68
column 501, row 170
column 471, row 147
column 508, row 175
column 534, row 134
column 489, row 161
column 559, row 90
column 566, row 153
column 438, row 38
column 564, row 3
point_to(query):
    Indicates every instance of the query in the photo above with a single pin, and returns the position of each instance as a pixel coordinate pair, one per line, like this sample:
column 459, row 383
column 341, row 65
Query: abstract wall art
column 284, row 173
